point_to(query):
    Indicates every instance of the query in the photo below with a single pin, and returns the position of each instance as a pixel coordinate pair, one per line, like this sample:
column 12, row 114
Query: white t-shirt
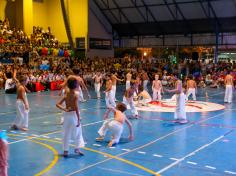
column 8, row 84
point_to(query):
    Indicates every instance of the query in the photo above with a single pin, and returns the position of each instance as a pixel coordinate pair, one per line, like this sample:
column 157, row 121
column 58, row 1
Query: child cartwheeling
column 71, row 125
column 115, row 125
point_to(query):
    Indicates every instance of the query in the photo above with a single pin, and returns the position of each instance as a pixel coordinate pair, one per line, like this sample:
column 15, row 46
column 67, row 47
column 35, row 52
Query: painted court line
column 150, row 143
column 230, row 172
column 126, row 150
column 142, row 152
column 97, row 145
column 193, row 163
column 210, row 167
column 46, row 135
column 192, row 153
column 119, row 171
column 159, row 156
column 175, row 159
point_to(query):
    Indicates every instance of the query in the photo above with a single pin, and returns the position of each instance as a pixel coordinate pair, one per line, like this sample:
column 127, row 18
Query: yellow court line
column 110, row 156
column 34, row 118
column 55, row 160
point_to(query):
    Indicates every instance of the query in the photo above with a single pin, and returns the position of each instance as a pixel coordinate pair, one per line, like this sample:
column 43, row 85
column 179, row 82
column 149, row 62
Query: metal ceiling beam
column 214, row 14
column 157, row 4
column 152, row 15
column 183, row 17
column 106, row 4
column 205, row 12
column 139, row 11
column 126, row 18
column 101, row 12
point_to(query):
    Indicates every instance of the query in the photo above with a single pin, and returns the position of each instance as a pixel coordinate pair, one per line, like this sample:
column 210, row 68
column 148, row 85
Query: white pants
column 228, row 93
column 22, row 115
column 70, row 130
column 156, row 94
column 113, row 89
column 145, row 82
column 145, row 101
column 127, row 85
column 114, row 126
column 97, row 87
column 81, row 95
column 180, row 107
column 130, row 102
column 109, row 98
column 193, row 92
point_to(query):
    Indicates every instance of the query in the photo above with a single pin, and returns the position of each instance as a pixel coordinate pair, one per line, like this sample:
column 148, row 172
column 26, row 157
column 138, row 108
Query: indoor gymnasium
column 117, row 87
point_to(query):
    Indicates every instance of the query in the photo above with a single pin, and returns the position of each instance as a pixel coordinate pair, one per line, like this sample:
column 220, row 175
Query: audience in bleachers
column 30, row 57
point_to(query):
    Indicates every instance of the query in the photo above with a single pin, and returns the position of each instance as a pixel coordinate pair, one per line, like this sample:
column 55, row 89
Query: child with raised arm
column 22, row 105
column 115, row 125
column 71, row 125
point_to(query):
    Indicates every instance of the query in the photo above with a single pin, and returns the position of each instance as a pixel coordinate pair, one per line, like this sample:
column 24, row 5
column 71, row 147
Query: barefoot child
column 115, row 125
column 22, row 105
column 180, row 113
column 157, row 88
column 71, row 125
column 128, row 100
column 143, row 97
column 3, row 154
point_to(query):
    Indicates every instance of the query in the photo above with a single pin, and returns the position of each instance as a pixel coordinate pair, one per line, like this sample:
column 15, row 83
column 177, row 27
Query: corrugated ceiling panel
column 154, row 2
column 143, row 11
column 133, row 15
column 101, row 4
column 124, row 3
column 111, row 17
column 161, row 13
column 192, row 11
column 226, row 8
column 110, row 3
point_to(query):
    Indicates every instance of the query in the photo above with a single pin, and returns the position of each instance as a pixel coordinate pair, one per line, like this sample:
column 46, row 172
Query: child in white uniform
column 191, row 88
column 97, row 83
column 115, row 125
column 157, row 88
column 128, row 100
column 180, row 113
column 109, row 96
column 143, row 97
column 22, row 105
column 71, row 125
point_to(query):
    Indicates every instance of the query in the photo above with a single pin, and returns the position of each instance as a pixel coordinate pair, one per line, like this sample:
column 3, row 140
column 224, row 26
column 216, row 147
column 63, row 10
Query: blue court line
column 46, row 134
column 193, row 153
column 145, row 145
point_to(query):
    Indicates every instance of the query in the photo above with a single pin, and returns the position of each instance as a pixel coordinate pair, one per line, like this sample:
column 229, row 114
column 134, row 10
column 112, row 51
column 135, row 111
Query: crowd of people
column 72, row 76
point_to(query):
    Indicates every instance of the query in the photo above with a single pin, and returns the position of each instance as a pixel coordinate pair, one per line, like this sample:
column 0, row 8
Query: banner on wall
column 98, row 43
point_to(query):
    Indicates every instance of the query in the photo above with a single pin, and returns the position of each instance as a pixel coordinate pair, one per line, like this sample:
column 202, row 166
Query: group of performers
column 72, row 94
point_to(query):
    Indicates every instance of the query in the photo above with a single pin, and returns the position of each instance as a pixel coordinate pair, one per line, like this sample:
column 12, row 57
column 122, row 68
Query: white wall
column 99, row 27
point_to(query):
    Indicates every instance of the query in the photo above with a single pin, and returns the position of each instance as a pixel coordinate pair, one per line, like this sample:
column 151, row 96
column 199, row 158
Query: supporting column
column 216, row 47
column 28, row 16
